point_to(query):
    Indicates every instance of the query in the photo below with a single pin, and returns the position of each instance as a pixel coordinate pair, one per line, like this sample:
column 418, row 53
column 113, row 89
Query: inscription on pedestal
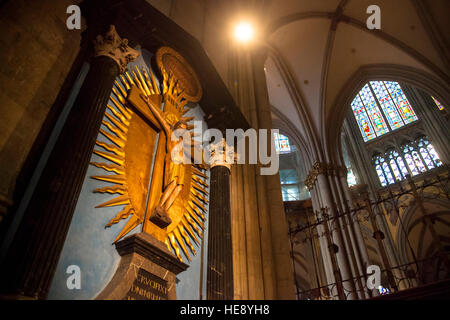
column 147, row 286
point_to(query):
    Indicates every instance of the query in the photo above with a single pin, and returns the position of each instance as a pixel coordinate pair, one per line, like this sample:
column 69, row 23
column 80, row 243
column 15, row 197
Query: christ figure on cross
column 174, row 171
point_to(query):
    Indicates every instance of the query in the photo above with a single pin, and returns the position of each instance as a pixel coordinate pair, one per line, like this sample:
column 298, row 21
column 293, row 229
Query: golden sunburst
column 133, row 142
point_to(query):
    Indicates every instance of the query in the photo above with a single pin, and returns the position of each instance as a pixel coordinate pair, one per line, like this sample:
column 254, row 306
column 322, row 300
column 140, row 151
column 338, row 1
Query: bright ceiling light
column 244, row 32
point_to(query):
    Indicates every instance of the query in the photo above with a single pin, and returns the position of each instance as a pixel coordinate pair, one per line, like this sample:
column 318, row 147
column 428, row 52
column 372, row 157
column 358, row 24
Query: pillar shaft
column 220, row 255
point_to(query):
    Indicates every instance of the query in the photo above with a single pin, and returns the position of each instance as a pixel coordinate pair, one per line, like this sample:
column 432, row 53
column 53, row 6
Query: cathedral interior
column 354, row 96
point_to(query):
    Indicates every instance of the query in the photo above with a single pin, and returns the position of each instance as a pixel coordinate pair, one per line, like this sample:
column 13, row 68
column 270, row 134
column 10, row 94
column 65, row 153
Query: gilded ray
column 193, row 224
column 196, row 210
column 198, row 203
column 181, row 243
column 125, row 213
column 114, row 130
column 118, row 95
column 199, row 187
column 174, row 245
column 125, row 82
column 119, row 116
column 186, row 238
column 114, row 178
column 155, row 84
column 117, row 201
column 121, row 108
column 111, row 148
column 189, row 230
column 193, row 215
column 143, row 82
column 148, row 82
column 109, row 156
column 200, row 181
column 199, row 196
column 114, row 189
column 132, row 223
column 109, row 167
column 131, row 82
column 139, row 84
column 199, row 173
column 200, row 166
column 117, row 123
column 123, row 93
column 112, row 138
column 166, row 241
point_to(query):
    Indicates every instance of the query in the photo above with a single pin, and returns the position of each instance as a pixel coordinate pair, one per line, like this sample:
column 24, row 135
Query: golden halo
column 173, row 63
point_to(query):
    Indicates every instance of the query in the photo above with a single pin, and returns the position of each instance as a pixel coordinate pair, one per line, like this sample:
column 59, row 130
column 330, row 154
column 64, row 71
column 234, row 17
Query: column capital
column 221, row 154
column 317, row 169
column 111, row 45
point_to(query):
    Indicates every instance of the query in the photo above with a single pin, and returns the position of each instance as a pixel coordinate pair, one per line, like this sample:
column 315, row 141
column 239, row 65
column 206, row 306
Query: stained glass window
column 379, row 102
column 428, row 153
column 396, row 168
column 282, row 144
column 439, row 105
column 363, row 119
column 380, row 170
column 373, row 111
column 402, row 103
column 434, row 155
column 416, row 157
column 387, row 104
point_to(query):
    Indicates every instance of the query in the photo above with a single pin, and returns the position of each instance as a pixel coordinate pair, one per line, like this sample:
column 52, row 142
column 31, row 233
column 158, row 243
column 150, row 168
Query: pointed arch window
column 428, row 153
column 397, row 164
column 416, row 157
column 381, row 107
column 383, row 170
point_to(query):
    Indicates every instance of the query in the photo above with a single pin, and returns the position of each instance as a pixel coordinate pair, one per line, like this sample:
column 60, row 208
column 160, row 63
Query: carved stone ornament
column 221, row 154
column 317, row 169
column 111, row 45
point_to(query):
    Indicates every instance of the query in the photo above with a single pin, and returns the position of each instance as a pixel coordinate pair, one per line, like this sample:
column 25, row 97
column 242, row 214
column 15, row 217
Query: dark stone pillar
column 34, row 253
column 220, row 251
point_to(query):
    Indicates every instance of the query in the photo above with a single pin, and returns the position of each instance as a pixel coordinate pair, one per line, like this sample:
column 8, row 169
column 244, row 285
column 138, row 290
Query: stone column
column 220, row 254
column 318, row 179
column 266, row 242
column 355, row 231
column 33, row 255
